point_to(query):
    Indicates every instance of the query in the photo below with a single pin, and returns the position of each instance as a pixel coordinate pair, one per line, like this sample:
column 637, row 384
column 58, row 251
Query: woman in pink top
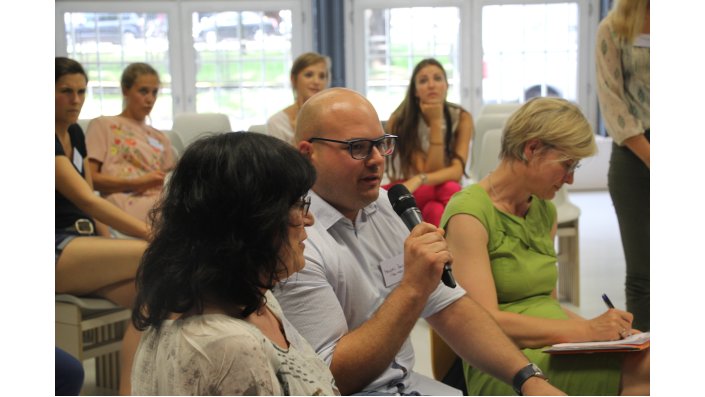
column 128, row 158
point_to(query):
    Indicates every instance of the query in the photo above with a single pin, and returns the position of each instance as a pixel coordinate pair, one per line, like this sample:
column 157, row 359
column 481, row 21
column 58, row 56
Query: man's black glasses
column 360, row 148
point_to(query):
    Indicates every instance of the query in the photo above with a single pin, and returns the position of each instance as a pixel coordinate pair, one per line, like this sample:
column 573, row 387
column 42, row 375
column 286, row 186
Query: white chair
column 568, row 247
column 92, row 328
column 482, row 125
column 259, row 128
column 191, row 126
column 499, row 108
column 176, row 143
column 488, row 158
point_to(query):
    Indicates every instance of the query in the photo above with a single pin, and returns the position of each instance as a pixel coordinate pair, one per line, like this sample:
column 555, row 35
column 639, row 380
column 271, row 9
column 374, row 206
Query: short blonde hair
column 555, row 122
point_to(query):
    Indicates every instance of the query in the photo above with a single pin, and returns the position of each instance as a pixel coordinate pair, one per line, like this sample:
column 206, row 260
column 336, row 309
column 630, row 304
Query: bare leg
column 122, row 293
column 107, row 268
column 636, row 374
column 89, row 264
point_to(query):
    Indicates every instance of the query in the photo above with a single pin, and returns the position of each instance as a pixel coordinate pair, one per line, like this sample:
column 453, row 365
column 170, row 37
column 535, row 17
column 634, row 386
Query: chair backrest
column 488, row 158
column 499, row 108
column 566, row 210
column 176, row 143
column 190, row 126
column 482, row 125
column 259, row 128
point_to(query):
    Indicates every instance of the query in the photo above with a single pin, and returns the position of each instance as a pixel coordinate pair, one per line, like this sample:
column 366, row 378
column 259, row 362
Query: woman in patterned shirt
column 623, row 65
column 129, row 158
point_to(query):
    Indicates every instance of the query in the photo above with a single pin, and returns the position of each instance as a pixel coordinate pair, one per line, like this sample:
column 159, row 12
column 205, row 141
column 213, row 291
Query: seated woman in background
column 310, row 74
column 433, row 141
column 501, row 233
column 230, row 225
column 86, row 264
column 128, row 158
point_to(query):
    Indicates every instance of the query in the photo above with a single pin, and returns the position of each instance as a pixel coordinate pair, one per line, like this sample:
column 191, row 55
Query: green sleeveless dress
column 523, row 260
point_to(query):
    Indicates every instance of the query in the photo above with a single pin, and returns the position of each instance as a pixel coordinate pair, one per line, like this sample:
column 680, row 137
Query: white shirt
column 215, row 354
column 279, row 126
column 342, row 285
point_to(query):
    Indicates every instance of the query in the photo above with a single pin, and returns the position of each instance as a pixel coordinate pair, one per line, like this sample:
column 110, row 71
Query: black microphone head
column 401, row 198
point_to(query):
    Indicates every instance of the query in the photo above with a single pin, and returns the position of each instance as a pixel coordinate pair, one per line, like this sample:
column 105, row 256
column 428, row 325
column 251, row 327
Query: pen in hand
column 608, row 302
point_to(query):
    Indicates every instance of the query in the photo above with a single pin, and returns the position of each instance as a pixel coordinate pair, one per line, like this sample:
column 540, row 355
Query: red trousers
column 432, row 200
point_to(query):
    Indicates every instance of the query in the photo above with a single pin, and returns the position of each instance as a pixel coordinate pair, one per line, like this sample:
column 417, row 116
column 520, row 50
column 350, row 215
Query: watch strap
column 524, row 374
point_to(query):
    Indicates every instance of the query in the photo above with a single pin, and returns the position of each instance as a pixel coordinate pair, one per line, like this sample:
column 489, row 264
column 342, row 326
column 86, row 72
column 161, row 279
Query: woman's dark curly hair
column 407, row 116
column 220, row 226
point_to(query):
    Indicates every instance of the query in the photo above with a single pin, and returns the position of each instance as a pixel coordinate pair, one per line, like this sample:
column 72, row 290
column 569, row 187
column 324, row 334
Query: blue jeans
column 68, row 374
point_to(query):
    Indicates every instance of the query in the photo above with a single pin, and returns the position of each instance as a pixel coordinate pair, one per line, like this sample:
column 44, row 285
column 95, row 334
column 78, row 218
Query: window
column 242, row 63
column 397, row 39
column 218, row 56
column 105, row 43
column 493, row 50
column 394, row 40
column 529, row 50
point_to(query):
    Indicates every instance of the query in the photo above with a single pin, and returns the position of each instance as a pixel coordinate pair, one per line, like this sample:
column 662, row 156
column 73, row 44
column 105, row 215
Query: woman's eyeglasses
column 303, row 204
column 570, row 168
column 361, row 149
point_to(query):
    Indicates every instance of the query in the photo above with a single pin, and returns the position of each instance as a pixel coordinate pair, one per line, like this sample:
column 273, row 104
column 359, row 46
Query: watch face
column 536, row 369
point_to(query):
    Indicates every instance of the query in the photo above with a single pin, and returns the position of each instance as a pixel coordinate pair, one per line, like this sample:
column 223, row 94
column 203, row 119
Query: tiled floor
column 601, row 271
column 602, row 268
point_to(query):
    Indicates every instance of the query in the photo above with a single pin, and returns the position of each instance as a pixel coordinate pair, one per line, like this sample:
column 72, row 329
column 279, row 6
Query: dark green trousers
column 629, row 186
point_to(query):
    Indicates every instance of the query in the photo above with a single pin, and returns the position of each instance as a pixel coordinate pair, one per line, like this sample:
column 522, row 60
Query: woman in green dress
column 501, row 233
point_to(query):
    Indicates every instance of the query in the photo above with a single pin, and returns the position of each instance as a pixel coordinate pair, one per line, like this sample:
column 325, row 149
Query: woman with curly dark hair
column 230, row 225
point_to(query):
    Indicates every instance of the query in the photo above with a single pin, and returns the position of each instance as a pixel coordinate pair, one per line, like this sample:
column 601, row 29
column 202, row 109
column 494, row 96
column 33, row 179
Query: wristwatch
column 423, row 178
column 524, row 374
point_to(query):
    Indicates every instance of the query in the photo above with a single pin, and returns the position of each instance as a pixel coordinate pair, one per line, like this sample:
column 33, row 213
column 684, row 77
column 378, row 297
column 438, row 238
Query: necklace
column 489, row 180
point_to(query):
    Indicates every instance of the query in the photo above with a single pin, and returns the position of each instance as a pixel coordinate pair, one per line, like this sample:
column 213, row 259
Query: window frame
column 181, row 51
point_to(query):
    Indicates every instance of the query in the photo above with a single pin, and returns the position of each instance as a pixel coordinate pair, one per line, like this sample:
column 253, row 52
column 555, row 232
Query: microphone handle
column 411, row 218
column 447, row 276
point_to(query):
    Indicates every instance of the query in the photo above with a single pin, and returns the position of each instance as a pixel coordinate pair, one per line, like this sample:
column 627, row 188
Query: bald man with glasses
column 367, row 280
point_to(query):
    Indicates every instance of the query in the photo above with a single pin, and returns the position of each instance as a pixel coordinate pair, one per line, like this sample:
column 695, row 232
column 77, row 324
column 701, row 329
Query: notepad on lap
column 632, row 343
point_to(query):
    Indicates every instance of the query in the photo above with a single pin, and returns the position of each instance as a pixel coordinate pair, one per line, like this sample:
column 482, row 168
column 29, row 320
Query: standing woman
column 129, row 158
column 310, row 74
column 623, row 73
column 231, row 224
column 434, row 135
column 86, row 264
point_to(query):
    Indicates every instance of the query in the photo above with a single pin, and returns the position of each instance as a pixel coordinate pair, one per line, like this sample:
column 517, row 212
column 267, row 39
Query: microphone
column 404, row 205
